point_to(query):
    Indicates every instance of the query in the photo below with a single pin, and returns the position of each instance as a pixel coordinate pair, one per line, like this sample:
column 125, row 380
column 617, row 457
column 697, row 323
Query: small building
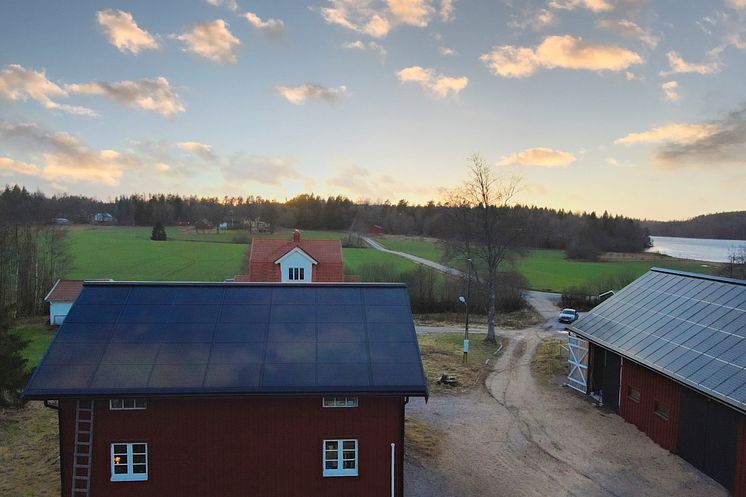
column 295, row 260
column 61, row 298
column 231, row 389
column 668, row 354
column 103, row 218
column 375, row 229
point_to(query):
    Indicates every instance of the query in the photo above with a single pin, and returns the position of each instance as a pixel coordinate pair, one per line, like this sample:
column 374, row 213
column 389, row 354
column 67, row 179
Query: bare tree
column 485, row 232
column 735, row 267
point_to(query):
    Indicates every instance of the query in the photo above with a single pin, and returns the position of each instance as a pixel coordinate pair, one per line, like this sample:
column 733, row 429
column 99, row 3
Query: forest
column 723, row 226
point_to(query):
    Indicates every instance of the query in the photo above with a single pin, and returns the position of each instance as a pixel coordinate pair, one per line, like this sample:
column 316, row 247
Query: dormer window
column 296, row 266
column 296, row 274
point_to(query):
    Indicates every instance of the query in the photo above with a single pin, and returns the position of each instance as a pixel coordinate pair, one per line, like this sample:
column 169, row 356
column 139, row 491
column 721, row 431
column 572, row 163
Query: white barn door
column 577, row 376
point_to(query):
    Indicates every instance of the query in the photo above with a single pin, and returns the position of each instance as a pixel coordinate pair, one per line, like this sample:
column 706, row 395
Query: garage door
column 577, row 376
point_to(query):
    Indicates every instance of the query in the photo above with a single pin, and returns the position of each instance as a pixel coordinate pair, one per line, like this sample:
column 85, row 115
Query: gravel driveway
column 515, row 437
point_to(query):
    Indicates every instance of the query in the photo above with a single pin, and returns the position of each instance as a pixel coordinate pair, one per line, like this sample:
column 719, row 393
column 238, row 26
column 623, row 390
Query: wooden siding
column 741, row 461
column 238, row 447
column 652, row 387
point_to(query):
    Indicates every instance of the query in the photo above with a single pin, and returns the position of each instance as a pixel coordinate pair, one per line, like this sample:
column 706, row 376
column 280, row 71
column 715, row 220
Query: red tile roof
column 65, row 291
column 265, row 251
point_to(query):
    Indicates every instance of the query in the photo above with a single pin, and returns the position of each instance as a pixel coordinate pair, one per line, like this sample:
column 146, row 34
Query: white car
column 568, row 315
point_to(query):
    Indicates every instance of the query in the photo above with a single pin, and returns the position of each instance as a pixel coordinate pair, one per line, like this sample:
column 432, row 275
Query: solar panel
column 691, row 327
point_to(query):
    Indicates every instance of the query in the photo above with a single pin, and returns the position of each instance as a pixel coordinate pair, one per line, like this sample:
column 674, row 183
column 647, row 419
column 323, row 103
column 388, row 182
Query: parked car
column 568, row 315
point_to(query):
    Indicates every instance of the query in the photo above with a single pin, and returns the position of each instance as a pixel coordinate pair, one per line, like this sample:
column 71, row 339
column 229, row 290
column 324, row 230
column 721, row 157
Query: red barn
column 295, row 261
column 668, row 353
column 232, row 389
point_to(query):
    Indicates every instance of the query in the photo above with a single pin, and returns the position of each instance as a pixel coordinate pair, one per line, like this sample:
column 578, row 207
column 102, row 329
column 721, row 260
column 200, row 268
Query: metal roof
column 690, row 327
column 233, row 338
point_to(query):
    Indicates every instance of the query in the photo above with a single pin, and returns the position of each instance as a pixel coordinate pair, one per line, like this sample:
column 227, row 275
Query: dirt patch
column 422, row 439
column 29, row 452
column 549, row 364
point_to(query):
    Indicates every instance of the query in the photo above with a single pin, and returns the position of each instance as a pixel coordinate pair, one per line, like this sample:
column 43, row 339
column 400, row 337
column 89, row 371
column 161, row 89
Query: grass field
column 427, row 248
column 38, row 335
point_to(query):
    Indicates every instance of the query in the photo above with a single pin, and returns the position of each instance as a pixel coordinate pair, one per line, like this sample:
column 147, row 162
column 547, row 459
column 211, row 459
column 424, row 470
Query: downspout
column 393, row 473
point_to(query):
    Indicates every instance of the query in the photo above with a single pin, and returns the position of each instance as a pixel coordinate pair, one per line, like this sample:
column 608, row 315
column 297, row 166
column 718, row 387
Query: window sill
column 339, row 472
column 129, row 477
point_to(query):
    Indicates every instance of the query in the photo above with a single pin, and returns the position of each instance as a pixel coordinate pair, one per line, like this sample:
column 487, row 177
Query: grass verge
column 421, row 438
column 516, row 320
column 549, row 364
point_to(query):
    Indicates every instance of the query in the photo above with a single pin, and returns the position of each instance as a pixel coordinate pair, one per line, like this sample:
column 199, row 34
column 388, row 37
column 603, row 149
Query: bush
column 585, row 297
column 353, row 240
column 13, row 374
column 159, row 232
column 243, row 239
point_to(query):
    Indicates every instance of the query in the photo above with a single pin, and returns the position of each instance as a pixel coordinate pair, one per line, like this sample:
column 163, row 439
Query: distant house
column 103, row 218
column 61, row 298
column 668, row 353
column 295, row 261
column 375, row 229
column 61, row 221
column 231, row 390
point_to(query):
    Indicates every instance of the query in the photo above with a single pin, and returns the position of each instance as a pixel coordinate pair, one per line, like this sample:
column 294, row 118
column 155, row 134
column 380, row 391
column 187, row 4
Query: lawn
column 38, row 334
column 356, row 258
column 128, row 254
column 427, row 248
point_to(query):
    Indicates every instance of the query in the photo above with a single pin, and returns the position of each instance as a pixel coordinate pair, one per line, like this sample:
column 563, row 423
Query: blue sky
column 628, row 105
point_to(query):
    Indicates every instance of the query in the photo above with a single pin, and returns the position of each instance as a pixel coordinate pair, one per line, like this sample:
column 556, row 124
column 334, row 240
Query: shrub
column 243, row 239
column 13, row 374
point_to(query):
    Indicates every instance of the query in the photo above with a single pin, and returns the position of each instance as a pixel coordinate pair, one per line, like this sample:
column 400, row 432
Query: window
column 633, row 394
column 339, row 402
column 127, row 404
column 129, row 461
column 296, row 273
column 340, row 458
column 662, row 410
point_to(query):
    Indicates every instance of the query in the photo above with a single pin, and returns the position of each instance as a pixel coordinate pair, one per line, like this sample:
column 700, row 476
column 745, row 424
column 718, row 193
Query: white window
column 340, row 457
column 296, row 273
column 339, row 402
column 127, row 404
column 129, row 461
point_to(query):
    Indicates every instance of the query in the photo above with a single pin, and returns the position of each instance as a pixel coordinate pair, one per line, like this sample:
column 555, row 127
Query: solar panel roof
column 690, row 327
column 233, row 338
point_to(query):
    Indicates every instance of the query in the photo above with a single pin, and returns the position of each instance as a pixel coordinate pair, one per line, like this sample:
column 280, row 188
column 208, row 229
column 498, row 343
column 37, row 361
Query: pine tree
column 159, row 232
column 13, row 374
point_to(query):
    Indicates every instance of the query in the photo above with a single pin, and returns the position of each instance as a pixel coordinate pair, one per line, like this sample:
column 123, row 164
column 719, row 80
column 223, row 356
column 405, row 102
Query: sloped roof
column 233, row 338
column 271, row 249
column 689, row 327
column 66, row 290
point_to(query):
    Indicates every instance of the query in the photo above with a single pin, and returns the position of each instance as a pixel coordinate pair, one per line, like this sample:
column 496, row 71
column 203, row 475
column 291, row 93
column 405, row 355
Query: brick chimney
column 296, row 236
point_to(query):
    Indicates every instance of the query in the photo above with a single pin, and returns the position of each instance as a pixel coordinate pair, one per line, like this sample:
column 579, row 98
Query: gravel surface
column 515, row 437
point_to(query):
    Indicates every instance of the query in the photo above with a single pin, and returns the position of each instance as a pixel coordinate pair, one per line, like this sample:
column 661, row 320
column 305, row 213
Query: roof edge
column 700, row 276
column 46, row 299
column 229, row 284
column 413, row 392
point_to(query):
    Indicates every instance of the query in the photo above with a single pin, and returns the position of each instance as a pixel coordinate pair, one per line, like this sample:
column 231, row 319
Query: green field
column 427, row 248
column 38, row 334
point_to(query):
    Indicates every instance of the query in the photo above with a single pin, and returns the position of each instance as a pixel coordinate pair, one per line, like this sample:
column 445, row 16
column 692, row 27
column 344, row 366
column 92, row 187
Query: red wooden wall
column 237, row 447
column 741, row 461
column 652, row 387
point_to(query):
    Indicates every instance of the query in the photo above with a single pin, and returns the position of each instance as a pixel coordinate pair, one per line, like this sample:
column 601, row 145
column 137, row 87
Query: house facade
column 232, row 389
column 668, row 354
column 60, row 299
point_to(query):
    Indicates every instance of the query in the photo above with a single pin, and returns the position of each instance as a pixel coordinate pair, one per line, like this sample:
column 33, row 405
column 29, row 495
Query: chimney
column 296, row 236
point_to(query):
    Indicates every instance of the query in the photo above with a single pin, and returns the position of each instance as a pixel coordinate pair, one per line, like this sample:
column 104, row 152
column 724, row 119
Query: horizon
column 627, row 106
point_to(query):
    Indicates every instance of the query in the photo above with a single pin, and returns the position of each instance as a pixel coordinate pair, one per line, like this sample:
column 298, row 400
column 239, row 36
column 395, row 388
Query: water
column 701, row 249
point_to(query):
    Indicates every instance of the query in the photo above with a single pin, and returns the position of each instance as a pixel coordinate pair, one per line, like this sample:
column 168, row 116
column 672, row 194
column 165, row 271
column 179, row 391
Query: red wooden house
column 232, row 389
column 295, row 261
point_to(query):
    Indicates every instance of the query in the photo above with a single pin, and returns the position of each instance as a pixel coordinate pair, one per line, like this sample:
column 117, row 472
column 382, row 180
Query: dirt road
column 515, row 437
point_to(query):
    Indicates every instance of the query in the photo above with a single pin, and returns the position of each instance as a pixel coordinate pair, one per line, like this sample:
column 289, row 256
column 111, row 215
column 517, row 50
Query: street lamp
column 465, row 301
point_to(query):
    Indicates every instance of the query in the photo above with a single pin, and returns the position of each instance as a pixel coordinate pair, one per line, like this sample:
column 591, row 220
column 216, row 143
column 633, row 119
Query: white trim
column 339, row 402
column 297, row 250
column 50, row 291
column 130, row 475
column 134, row 403
column 340, row 460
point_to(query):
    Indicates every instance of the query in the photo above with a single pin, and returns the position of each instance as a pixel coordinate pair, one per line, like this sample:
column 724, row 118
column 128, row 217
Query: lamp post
column 465, row 301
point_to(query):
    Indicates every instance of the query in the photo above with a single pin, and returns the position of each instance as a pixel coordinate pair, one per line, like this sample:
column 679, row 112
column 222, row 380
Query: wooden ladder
column 81, row 476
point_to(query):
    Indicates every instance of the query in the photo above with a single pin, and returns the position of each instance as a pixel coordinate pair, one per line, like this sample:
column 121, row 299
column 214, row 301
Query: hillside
column 723, row 225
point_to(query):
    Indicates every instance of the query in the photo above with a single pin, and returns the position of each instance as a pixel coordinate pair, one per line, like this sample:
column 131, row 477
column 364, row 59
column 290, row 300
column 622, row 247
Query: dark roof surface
column 233, row 338
column 688, row 326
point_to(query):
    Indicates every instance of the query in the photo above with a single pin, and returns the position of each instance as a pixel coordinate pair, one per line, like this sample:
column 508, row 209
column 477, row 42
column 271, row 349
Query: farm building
column 232, row 389
column 668, row 353
column 295, row 260
column 375, row 229
column 61, row 297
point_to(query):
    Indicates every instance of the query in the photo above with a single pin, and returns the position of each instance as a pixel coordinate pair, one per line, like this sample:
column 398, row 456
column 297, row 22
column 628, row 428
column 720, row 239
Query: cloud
column 679, row 133
column 539, row 156
column 260, row 169
column 371, row 47
column 441, row 86
column 377, row 17
column 679, row 66
column 231, row 5
column 273, row 29
column 123, row 32
column 212, row 40
column 446, row 10
column 16, row 166
column 19, row 83
column 671, row 91
column 593, row 5
column 201, row 150
column 566, row 52
column 412, row 12
column 67, row 159
column 629, row 29
column 536, row 20
column 310, row 91
column 156, row 95
column 736, row 4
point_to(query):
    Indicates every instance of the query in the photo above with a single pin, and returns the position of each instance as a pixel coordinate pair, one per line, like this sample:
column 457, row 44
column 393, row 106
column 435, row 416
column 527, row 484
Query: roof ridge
column 701, row 276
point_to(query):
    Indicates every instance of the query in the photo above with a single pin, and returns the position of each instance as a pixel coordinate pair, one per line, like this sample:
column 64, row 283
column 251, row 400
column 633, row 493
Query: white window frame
column 339, row 459
column 128, row 404
column 296, row 273
column 130, row 475
column 333, row 402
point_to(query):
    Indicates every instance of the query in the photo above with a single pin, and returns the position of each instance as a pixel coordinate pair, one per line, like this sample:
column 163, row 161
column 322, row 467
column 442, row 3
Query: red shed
column 232, row 389
column 668, row 353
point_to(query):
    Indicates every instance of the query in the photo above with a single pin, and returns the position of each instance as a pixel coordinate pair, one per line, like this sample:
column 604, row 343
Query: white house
column 61, row 298
column 296, row 266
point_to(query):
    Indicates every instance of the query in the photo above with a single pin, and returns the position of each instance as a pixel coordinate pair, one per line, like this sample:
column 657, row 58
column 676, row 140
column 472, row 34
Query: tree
column 159, row 232
column 12, row 365
column 736, row 265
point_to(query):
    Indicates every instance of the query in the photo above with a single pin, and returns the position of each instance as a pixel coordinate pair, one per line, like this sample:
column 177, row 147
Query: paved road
column 419, row 260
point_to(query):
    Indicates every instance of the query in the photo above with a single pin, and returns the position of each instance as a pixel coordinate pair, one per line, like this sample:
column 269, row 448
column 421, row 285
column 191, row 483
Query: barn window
column 340, row 402
column 129, row 461
column 340, row 457
column 296, row 273
column 633, row 394
column 127, row 404
column 662, row 410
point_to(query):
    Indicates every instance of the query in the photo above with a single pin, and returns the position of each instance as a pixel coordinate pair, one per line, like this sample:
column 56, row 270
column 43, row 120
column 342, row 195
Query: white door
column 577, row 376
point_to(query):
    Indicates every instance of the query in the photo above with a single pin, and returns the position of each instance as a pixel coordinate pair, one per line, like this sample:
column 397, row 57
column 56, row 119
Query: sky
column 632, row 106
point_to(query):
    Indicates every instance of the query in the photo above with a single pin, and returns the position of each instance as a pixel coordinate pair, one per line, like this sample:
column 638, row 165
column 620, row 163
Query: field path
column 419, row 260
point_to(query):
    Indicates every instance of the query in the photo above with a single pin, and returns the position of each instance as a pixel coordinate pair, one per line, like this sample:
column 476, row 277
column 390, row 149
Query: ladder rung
column 85, row 432
column 80, row 477
column 81, row 465
column 83, row 443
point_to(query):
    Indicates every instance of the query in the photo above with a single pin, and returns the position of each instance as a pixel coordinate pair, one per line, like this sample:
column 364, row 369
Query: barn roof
column 66, row 290
column 233, row 338
column 690, row 327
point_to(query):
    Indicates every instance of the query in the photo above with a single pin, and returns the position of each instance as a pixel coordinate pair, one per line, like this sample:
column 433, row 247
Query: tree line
column 723, row 226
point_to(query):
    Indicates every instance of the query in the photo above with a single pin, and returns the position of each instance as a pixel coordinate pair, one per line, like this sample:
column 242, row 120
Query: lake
column 701, row 249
